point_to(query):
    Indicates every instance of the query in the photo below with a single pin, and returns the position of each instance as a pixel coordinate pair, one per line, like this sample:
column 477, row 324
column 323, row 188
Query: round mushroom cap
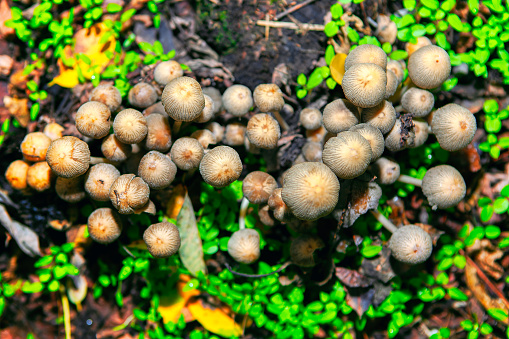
column 421, row 133
column 366, row 54
column 268, row 98
column 99, row 179
column 244, row 246
column 392, row 84
column 157, row 170
column 34, row 146
column 387, row 31
column 397, row 68
column 235, row 134
column 204, row 137
column 216, row 97
column 68, row 157
column 237, row 100
column 115, row 150
column 183, row 99
column 162, row 239
column 39, row 176
column 70, row 189
column 263, row 131
column 382, row 116
column 318, row 135
column 454, row 126
column 312, row 151
column 208, row 111
column 104, row 225
column 142, row 95
column 429, row 67
column 216, row 129
column 444, row 186
column 257, row 187
column 130, row 126
column 418, row 101
column 166, row 71
column 186, row 153
column 386, row 171
column 302, row 249
column 373, row 136
column 399, row 137
column 364, row 84
column 278, row 206
column 411, row 245
column 108, row 95
column 93, row 119
column 16, row 174
column 421, row 42
column 149, row 208
column 310, row 190
column 129, row 193
column 221, row 166
column 339, row 116
column 158, row 133
column 347, row 155
column 53, row 131
column 310, row 118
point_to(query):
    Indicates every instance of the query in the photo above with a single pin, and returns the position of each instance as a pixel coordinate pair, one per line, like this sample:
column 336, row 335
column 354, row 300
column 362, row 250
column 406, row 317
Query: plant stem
column 67, row 315
column 281, row 121
column 410, row 180
column 384, row 221
column 243, row 211
column 176, row 126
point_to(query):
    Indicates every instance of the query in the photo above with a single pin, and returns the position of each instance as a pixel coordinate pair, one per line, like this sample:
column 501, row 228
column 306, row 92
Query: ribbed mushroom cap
column 70, row 189
column 421, row 42
column 221, row 166
column 99, row 179
column 208, row 111
column 162, row 239
column 235, row 134
column 386, row 171
column 104, row 225
column 318, row 135
column 454, row 126
column 310, row 118
column 265, row 215
column 158, row 133
column 373, row 136
column 418, row 101
column 263, row 131
column 348, row 155
column 129, row 193
column 244, row 246
column 68, row 157
column 397, row 68
column 444, row 186
column 429, row 67
column 166, row 71
column 392, row 84
column 204, row 137
column 382, row 116
column 216, row 129
column 130, row 126
column 216, row 97
column 257, row 187
column 53, row 131
column 142, row 95
column 157, row 170
column 339, row 116
column 183, row 99
column 421, row 133
column 312, row 151
column 411, row 245
column 149, row 208
column 16, row 174
column 364, row 84
column 186, row 153
column 268, row 98
column 93, row 119
column 115, row 150
column 310, row 190
column 303, row 248
column 108, row 95
column 397, row 139
column 237, row 100
column 366, row 54
column 278, row 206
column 39, row 176
column 34, row 146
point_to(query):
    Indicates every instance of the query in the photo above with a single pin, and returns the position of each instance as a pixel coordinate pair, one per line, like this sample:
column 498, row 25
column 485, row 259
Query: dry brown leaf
column 5, row 14
column 176, row 201
column 360, row 303
column 18, row 109
column 352, row 278
column 486, row 261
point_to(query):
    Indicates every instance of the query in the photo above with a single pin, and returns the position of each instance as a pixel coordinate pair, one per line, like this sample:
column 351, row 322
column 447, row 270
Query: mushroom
column 142, row 95
column 366, row 54
column 16, row 174
column 418, row 101
column 221, row 166
column 364, row 84
column 421, row 42
column 411, row 245
column 68, row 157
column 265, row 215
column 115, row 150
column 34, row 146
column 70, row 189
column 340, row 115
column 312, row 151
column 386, row 171
column 302, row 249
column 99, row 179
column 400, row 137
column 158, row 133
column 429, row 66
column 104, row 225
column 454, row 126
column 397, row 68
column 263, row 131
column 108, row 95
column 235, row 134
column 208, row 111
column 237, row 100
column 310, row 118
column 277, row 205
column 216, row 129
column 93, row 119
column 387, row 31
column 166, row 71
column 421, row 132
column 373, row 136
column 157, row 170
column 244, row 246
column 130, row 126
column 216, row 97
column 53, row 131
column 444, row 186
column 162, row 239
column 186, row 153
column 257, row 187
column 39, row 176
column 128, row 193
column 392, row 84
column 269, row 98
column 149, row 208
column 204, row 137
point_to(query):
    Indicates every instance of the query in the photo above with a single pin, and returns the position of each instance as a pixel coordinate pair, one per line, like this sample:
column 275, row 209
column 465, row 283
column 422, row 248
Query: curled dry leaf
column 18, row 109
column 27, row 240
column 360, row 303
column 352, row 278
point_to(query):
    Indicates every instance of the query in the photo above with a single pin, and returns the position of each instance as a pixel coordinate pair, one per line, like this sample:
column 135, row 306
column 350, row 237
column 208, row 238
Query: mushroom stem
column 99, row 160
column 176, row 126
column 67, row 315
column 243, row 211
column 384, row 221
column 410, row 180
column 281, row 121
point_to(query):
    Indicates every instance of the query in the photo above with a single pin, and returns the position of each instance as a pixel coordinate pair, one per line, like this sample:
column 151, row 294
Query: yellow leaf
column 171, row 305
column 176, row 201
column 337, row 67
column 214, row 320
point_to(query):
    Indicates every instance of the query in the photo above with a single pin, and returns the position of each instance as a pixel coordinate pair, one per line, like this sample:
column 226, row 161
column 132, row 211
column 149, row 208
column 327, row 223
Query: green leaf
column 409, row 4
column 490, row 106
column 158, row 48
column 445, row 264
column 139, row 314
column 473, row 5
column 505, row 191
column 301, row 93
column 431, row 4
column 467, row 325
column 500, row 205
column 125, row 272
column 486, row 213
column 497, row 314
column 331, row 29
column 53, row 286
column 301, row 79
column 127, row 15
column 315, row 79
column 370, row 251
column 504, row 243
column 456, row 294
column 459, row 261
column 486, row 329
column 331, row 84
column 484, row 201
column 113, row 8
column 352, row 35
column 398, row 55
column 329, row 54
column 44, row 261
column 336, row 11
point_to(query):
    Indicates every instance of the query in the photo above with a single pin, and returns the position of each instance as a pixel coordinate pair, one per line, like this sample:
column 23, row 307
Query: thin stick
column 243, row 211
column 410, row 180
column 285, row 265
column 290, row 25
column 384, row 221
column 67, row 315
column 267, row 28
column 293, row 9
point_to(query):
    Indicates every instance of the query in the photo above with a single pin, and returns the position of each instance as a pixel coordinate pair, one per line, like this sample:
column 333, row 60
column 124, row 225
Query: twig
column 267, row 28
column 67, row 314
column 293, row 9
column 285, row 265
column 290, row 25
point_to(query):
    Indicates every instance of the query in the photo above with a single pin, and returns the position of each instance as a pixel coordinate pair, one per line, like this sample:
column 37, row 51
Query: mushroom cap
column 216, row 129
column 128, row 193
column 268, row 98
column 53, row 131
column 347, row 155
column 39, row 176
column 162, row 239
column 93, row 119
column 34, row 146
column 166, row 71
column 421, row 42
column 397, row 68
column 216, row 97
column 418, row 101
column 244, row 246
column 387, row 31
column 142, row 95
column 278, row 206
column 130, row 126
column 257, row 187
column 108, row 95
column 310, row 190
column 186, row 153
column 208, row 111
column 411, row 245
column 386, row 171
column 68, row 157
column 157, row 170
column 99, row 179
column 70, row 189
column 149, row 208
column 312, row 151
column 454, row 126
column 421, row 133
column 235, row 134
column 398, row 139
column 382, row 116
column 16, row 174
column 302, row 249
column 366, row 54
column 183, row 99
column 104, row 225
column 364, row 84
column 318, row 135
column 158, row 133
column 205, row 137
column 373, row 136
column 429, row 66
column 265, row 215
column 237, row 100
column 115, row 150
column 444, row 186
column 310, row 118
column 221, row 166
column 392, row 84
column 340, row 115
column 263, row 131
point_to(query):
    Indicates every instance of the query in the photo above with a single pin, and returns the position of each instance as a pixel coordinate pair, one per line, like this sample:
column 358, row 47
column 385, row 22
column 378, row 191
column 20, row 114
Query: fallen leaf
column 176, row 201
column 214, row 319
column 5, row 14
column 18, row 109
column 337, row 67
column 486, row 261
column 172, row 305
column 27, row 240
column 379, row 267
column 352, row 278
column 360, row 303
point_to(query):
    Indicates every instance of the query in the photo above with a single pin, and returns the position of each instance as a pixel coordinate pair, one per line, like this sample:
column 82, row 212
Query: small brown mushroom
column 186, row 153
column 340, row 115
column 444, row 186
column 128, row 193
column 114, row 150
column 421, row 42
column 392, row 84
column 16, row 174
column 364, row 84
column 53, row 131
column 397, row 68
column 166, row 71
column 237, row 100
column 398, row 138
column 258, row 186
column 269, row 98
column 70, row 189
column 39, row 176
column 162, row 239
column 263, row 131
column 99, row 179
column 310, row 118
column 418, row 101
column 34, row 146
column 411, row 245
column 216, row 97
column 373, row 136
column 158, row 133
column 68, row 157
column 204, row 137
column 108, row 95
column 302, row 249
column 216, row 129
column 235, row 134
column 208, row 111
column 429, row 66
column 386, row 171
column 130, row 126
column 142, row 95
column 93, row 119
column 157, row 170
column 454, row 126
column 312, row 151
column 221, row 166
column 244, row 246
column 366, row 54
column 278, row 206
column 104, row 225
